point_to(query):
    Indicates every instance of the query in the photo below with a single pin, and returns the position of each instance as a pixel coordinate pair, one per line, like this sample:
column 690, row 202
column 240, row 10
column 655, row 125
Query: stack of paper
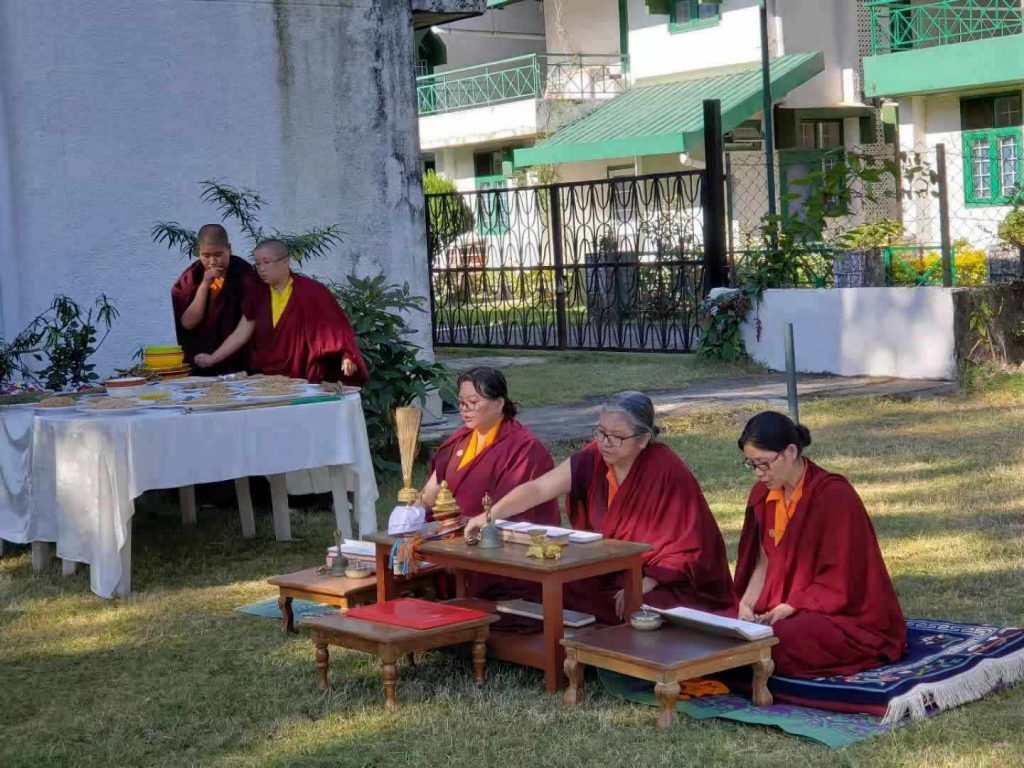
column 553, row 531
column 710, row 622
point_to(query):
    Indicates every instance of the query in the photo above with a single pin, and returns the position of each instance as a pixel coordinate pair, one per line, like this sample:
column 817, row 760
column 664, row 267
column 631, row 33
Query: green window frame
column 491, row 206
column 798, row 164
column 685, row 16
column 992, row 165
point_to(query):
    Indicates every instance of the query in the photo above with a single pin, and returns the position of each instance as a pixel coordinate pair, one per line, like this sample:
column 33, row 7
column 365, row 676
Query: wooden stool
column 390, row 642
column 340, row 591
column 666, row 657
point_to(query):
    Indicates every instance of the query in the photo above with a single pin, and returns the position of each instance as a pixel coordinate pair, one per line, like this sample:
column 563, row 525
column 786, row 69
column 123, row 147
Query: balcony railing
column 549, row 76
column 903, row 26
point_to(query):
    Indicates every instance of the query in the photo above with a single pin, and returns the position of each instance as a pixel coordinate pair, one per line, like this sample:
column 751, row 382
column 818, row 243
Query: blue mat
column 946, row 664
column 301, row 609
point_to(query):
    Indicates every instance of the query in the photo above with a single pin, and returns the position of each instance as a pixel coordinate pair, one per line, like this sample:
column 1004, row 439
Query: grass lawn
column 569, row 377
column 174, row 676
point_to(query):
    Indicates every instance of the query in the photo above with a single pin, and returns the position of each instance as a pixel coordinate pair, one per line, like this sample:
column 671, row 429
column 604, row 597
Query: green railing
column 901, row 26
column 923, row 268
column 588, row 76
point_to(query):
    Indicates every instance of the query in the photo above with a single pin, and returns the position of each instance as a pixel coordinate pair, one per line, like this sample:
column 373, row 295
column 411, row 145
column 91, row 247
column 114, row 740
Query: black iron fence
column 615, row 264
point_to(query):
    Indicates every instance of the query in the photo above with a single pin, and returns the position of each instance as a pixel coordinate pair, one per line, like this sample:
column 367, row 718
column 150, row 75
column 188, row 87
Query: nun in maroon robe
column 829, row 568
column 658, row 503
column 310, row 340
column 825, row 564
column 223, row 311
column 491, row 455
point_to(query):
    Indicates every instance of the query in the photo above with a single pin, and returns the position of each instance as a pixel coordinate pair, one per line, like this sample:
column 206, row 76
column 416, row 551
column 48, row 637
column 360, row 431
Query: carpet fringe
column 928, row 698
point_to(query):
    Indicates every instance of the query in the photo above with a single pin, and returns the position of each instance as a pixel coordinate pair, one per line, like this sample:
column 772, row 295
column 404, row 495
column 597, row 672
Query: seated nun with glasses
column 809, row 562
column 627, row 486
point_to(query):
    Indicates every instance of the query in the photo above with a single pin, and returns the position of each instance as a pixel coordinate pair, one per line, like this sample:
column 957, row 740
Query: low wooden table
column 578, row 561
column 340, row 591
column 391, row 642
column 666, row 657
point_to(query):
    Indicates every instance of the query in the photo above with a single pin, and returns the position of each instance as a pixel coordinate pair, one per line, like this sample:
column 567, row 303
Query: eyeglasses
column 471, row 405
column 268, row 262
column 612, row 441
column 757, row 465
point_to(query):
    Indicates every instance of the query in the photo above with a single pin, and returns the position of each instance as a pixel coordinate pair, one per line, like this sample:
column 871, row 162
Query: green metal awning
column 668, row 118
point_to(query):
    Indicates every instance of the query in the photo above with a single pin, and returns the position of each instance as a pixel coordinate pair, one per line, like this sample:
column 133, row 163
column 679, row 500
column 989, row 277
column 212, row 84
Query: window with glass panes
column 991, row 128
column 685, row 15
column 492, row 205
column 821, row 134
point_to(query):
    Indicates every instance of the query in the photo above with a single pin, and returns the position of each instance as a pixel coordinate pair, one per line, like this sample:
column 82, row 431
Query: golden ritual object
column 407, row 425
column 543, row 548
column 446, row 510
column 338, row 562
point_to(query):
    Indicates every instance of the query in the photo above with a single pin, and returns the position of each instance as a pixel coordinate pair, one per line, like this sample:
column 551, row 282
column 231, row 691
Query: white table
column 72, row 478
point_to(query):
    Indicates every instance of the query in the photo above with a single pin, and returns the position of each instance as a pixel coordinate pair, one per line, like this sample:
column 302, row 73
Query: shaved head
column 213, row 234
column 274, row 249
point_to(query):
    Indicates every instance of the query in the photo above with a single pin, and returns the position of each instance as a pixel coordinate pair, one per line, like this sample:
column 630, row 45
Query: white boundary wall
column 901, row 332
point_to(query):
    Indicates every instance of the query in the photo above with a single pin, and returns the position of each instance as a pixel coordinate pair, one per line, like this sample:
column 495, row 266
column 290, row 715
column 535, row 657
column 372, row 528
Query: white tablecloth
column 72, row 479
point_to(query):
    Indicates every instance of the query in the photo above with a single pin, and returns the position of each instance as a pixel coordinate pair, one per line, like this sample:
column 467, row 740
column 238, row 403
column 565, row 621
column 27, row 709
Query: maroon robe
column 223, row 312
column 828, row 566
column 658, row 503
column 515, row 457
column 311, row 337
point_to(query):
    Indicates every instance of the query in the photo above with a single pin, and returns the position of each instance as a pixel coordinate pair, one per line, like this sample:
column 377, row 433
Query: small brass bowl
column 646, row 621
column 358, row 572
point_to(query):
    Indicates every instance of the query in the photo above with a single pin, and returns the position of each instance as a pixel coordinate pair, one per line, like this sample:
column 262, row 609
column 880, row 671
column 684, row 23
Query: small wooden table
column 666, row 657
column 391, row 642
column 578, row 561
column 339, row 591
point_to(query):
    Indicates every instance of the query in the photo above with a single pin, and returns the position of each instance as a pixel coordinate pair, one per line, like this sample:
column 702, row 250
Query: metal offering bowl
column 646, row 621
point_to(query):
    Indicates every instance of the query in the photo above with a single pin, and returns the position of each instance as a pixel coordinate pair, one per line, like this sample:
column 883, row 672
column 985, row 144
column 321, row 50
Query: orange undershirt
column 783, row 511
column 216, row 285
column 477, row 445
column 613, row 484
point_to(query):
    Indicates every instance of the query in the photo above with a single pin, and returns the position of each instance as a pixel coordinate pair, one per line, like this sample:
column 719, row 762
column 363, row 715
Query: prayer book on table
column 710, row 622
column 536, row 611
column 519, row 532
column 413, row 613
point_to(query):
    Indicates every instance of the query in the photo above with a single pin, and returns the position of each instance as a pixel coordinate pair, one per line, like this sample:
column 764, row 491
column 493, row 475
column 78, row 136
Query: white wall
column 902, row 332
column 582, row 26
column 499, row 34
column 926, row 121
column 829, row 27
column 511, row 120
column 114, row 114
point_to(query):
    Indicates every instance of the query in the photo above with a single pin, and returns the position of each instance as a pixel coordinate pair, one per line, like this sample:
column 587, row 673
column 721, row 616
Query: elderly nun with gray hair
column 627, row 486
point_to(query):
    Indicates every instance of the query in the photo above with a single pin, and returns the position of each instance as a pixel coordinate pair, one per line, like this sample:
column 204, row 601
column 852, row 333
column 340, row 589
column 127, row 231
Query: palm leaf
column 175, row 236
column 317, row 242
column 243, row 205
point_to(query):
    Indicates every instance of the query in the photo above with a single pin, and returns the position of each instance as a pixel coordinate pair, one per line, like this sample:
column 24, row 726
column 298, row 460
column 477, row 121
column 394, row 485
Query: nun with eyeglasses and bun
column 628, row 486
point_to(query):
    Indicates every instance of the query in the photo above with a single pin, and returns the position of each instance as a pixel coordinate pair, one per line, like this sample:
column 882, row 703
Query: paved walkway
column 568, row 422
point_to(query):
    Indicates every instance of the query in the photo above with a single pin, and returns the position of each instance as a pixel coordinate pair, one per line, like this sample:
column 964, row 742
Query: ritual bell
column 338, row 561
column 490, row 534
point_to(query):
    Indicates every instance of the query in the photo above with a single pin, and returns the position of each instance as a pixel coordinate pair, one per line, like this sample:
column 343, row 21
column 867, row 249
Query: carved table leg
column 763, row 669
column 323, row 662
column 479, row 658
column 389, row 671
column 668, row 695
column 573, row 671
column 284, row 604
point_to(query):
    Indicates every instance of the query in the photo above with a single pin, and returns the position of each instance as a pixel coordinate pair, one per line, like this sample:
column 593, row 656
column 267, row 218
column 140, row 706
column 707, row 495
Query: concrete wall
column 480, row 125
column 112, row 116
column 830, row 27
column 926, row 121
column 904, row 332
column 582, row 26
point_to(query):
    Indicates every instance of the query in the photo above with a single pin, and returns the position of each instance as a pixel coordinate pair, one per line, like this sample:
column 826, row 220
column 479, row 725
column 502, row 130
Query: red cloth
column 828, row 566
column 223, row 312
column 310, row 339
column 412, row 613
column 658, row 503
column 515, row 457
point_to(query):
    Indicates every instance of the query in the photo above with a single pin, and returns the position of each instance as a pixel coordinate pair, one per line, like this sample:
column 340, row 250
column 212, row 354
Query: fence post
column 791, row 396
column 713, row 197
column 559, row 259
column 947, row 251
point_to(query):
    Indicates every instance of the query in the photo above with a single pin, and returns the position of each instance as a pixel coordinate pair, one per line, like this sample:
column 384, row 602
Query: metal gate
column 616, row 264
